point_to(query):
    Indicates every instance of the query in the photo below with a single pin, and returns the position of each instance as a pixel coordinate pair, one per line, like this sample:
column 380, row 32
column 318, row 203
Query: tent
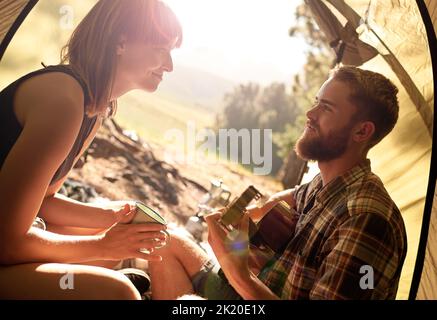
column 396, row 38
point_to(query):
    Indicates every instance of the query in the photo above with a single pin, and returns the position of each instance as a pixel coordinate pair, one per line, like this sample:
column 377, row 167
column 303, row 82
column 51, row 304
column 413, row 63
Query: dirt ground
column 121, row 168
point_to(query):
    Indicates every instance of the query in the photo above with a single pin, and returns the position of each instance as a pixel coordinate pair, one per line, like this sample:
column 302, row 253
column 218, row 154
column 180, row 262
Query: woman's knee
column 111, row 285
column 181, row 248
column 121, row 290
column 64, row 281
column 177, row 245
column 179, row 239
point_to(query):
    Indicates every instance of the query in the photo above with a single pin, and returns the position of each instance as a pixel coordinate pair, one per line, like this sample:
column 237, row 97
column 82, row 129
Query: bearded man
column 349, row 239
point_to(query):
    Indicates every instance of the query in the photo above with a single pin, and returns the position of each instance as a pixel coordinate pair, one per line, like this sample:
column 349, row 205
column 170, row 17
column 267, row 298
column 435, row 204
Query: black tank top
column 10, row 128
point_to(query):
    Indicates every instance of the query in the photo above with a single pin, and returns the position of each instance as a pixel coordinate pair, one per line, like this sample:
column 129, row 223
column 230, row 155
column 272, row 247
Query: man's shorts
column 211, row 283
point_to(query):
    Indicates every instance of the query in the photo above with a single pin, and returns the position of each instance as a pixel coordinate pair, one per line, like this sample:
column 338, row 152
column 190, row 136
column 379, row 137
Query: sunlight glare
column 245, row 39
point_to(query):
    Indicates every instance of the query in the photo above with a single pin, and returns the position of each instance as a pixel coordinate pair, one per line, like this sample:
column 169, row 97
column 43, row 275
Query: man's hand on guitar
column 257, row 213
column 231, row 248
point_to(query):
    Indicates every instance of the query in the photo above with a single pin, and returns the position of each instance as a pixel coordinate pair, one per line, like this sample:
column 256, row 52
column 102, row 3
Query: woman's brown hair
column 91, row 50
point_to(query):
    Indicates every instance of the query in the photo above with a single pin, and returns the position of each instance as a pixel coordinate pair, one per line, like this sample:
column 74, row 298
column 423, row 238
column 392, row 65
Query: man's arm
column 233, row 257
column 249, row 287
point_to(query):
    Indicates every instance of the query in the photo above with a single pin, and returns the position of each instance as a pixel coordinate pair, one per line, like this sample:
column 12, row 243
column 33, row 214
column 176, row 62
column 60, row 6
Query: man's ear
column 121, row 45
column 364, row 131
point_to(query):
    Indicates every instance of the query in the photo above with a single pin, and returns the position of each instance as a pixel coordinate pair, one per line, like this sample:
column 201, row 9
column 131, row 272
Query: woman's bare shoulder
column 54, row 93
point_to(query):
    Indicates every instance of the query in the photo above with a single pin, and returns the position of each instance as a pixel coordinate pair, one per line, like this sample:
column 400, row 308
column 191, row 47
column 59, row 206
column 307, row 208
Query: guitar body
column 271, row 235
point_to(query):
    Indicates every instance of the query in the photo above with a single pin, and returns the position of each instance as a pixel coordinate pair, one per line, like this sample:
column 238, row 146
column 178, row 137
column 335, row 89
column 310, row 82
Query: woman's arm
column 50, row 126
column 120, row 242
column 51, row 121
column 63, row 211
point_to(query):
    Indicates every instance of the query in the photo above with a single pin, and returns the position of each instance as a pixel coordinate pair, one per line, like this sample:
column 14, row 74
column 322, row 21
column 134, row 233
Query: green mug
column 145, row 214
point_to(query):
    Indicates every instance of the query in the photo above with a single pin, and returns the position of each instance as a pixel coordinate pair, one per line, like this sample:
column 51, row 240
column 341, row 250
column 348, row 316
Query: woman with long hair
column 47, row 119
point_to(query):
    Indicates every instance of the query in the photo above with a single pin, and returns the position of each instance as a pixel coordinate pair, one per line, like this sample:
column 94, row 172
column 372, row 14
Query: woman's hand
column 60, row 210
column 125, row 241
column 120, row 211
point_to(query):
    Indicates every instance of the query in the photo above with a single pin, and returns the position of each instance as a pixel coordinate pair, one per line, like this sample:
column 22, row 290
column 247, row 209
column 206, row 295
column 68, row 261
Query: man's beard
column 323, row 148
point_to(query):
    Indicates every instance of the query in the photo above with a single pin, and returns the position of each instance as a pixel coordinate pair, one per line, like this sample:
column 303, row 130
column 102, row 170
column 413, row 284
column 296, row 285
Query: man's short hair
column 375, row 97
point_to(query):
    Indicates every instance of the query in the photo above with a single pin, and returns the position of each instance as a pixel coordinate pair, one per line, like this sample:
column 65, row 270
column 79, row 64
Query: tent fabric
column 13, row 12
column 427, row 288
column 367, row 22
column 343, row 39
column 402, row 159
column 431, row 6
column 10, row 10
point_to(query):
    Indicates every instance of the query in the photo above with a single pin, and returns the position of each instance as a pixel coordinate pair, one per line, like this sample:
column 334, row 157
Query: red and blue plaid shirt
column 349, row 242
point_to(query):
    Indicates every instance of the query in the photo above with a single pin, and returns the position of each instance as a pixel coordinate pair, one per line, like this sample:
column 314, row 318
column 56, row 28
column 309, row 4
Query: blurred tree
column 307, row 28
column 240, row 107
column 276, row 108
column 249, row 106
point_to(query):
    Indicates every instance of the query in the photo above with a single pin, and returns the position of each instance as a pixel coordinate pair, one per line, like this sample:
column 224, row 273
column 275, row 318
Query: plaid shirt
column 345, row 230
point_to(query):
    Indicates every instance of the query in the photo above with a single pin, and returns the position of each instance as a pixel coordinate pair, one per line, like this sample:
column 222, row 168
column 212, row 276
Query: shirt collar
column 325, row 193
